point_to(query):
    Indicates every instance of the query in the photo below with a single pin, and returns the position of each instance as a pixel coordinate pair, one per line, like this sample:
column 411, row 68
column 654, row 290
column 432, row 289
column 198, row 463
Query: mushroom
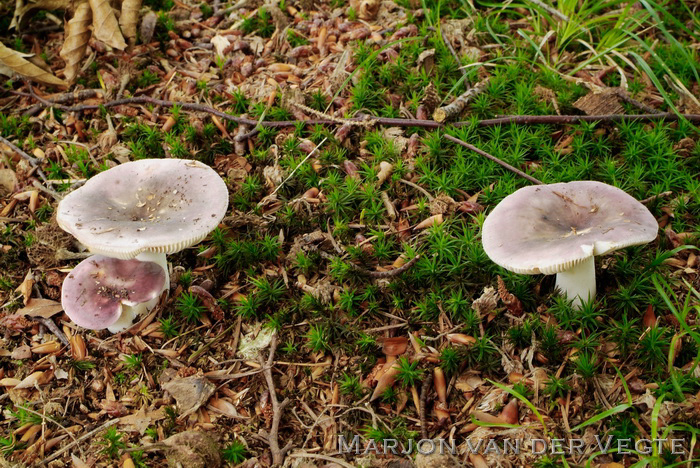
column 560, row 228
column 103, row 292
column 144, row 210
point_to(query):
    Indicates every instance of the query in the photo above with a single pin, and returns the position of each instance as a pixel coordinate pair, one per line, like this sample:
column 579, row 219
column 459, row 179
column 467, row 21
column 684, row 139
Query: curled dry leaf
column 105, row 25
column 509, row 414
column 366, row 9
column 430, row 222
column 512, row 303
column 129, row 19
column 460, row 338
column 385, row 170
column 21, row 8
column 77, row 36
column 12, row 61
column 385, row 381
column 148, row 26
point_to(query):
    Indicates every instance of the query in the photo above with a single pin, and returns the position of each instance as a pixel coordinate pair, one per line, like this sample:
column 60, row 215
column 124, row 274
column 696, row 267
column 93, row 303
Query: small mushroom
column 145, row 209
column 103, row 292
column 560, row 228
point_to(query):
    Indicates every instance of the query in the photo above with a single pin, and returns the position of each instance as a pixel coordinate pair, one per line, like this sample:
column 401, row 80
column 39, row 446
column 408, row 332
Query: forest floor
column 353, row 235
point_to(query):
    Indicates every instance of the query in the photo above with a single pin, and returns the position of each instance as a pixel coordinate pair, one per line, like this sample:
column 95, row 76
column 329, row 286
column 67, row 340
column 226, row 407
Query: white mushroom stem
column 129, row 313
column 160, row 259
column 133, row 311
column 578, row 283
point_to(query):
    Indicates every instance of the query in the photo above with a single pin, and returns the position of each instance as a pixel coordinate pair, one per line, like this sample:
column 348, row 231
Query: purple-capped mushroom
column 560, row 228
column 145, row 209
column 103, row 292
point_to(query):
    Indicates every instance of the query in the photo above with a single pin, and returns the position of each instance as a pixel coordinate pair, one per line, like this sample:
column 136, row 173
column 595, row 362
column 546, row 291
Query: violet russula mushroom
column 560, row 228
column 103, row 292
column 145, row 209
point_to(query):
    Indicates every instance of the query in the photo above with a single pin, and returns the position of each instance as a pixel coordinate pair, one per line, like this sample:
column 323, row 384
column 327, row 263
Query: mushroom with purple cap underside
column 560, row 228
column 144, row 210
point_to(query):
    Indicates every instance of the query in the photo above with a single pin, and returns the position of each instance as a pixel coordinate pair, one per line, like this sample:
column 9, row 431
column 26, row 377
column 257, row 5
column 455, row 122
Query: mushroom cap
column 551, row 228
column 150, row 205
column 95, row 291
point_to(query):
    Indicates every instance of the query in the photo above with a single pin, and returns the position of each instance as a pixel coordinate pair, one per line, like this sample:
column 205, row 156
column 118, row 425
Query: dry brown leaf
column 605, row 102
column 41, row 308
column 105, row 25
column 77, row 37
column 8, row 181
column 22, row 8
column 12, row 61
column 190, row 392
column 129, row 19
column 148, row 26
column 141, row 420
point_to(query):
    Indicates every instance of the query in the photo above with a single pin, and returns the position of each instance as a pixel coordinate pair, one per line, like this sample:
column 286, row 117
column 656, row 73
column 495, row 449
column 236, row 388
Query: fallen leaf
column 141, row 420
column 220, row 44
column 602, row 103
column 190, row 392
column 129, row 19
column 8, row 181
column 76, row 40
column 104, row 24
column 13, row 61
column 250, row 347
column 45, row 308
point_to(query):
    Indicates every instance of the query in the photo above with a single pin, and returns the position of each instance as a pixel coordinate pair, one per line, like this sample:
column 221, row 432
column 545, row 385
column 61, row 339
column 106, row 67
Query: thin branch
column 622, row 94
column 278, row 453
column 517, row 119
column 79, row 440
column 494, row 159
column 425, row 388
column 30, row 159
column 656, row 197
column 570, row 119
column 454, row 54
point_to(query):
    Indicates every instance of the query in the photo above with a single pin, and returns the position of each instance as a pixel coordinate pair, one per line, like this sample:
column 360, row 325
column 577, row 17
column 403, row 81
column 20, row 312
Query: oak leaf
column 129, row 19
column 105, row 25
column 77, row 37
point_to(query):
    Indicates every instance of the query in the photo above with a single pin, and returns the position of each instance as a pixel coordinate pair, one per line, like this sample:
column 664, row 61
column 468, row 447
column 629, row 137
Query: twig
column 494, row 159
column 419, row 188
column 454, row 54
column 425, row 388
column 570, row 119
column 298, row 166
column 30, row 159
column 516, row 119
column 48, row 323
column 79, row 440
column 193, row 357
column 453, row 109
column 278, row 453
column 622, row 94
column 549, row 9
column 656, row 197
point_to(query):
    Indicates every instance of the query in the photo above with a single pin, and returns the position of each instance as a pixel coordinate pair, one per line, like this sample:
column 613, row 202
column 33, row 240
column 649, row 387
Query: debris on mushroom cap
column 150, row 205
column 551, row 228
column 95, row 291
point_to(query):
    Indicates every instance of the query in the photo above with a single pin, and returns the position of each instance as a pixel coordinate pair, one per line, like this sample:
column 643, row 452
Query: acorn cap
column 150, row 205
column 552, row 228
column 95, row 292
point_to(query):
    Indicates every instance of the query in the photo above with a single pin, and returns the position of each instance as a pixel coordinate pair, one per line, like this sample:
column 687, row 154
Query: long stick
column 494, row 159
column 517, row 119
column 76, row 442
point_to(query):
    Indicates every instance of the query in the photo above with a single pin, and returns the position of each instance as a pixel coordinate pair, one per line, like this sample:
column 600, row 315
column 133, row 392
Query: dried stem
column 425, row 388
column 494, row 159
column 278, row 454
column 444, row 113
column 517, row 119
column 79, row 440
